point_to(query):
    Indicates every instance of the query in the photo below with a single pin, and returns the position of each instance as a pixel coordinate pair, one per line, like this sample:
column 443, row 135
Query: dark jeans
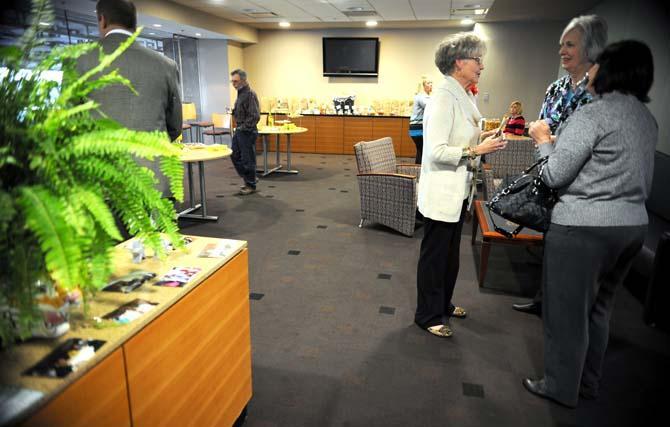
column 582, row 268
column 244, row 156
column 437, row 270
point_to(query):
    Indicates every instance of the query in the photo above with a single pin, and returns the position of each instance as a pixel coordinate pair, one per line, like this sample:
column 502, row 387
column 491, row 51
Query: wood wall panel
column 99, row 398
column 392, row 127
column 407, row 146
column 304, row 142
column 329, row 135
column 197, row 351
column 356, row 129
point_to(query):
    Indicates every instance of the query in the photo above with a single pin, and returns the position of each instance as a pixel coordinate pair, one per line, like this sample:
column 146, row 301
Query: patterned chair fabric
column 388, row 191
column 517, row 156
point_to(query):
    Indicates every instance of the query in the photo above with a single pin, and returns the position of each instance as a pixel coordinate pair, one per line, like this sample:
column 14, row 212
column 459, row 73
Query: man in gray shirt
column 246, row 114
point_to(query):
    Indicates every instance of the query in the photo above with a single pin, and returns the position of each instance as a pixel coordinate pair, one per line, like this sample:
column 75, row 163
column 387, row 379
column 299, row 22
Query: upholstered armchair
column 388, row 191
column 519, row 154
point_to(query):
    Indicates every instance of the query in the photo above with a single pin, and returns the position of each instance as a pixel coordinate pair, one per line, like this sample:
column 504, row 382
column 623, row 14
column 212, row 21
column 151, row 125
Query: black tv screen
column 348, row 56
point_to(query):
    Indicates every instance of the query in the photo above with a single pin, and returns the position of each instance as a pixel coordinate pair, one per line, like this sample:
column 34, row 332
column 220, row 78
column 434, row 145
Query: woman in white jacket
column 451, row 134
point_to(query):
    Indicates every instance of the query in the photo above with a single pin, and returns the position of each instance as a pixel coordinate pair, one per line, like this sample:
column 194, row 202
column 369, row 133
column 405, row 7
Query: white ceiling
column 255, row 12
column 318, row 14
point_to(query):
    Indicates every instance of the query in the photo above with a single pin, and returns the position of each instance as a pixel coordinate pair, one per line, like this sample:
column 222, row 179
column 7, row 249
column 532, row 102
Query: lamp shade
column 188, row 111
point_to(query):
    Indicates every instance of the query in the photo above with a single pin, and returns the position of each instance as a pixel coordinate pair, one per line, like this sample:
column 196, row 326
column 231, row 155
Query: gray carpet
column 332, row 308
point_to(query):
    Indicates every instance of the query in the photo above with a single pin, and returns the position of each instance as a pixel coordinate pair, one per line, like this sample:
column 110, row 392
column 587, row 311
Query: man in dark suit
column 154, row 76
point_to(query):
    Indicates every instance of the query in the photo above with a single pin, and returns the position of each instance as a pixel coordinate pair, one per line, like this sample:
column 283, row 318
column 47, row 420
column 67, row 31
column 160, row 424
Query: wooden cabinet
column 192, row 365
column 99, row 398
column 329, row 134
column 338, row 134
column 356, row 129
column 188, row 366
column 388, row 126
column 304, row 142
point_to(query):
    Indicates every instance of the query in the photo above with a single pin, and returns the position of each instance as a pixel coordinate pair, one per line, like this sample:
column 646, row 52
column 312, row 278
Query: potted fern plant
column 65, row 174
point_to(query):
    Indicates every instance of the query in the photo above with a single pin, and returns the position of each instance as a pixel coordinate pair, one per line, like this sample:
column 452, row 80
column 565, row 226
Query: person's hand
column 490, row 145
column 488, row 133
column 540, row 132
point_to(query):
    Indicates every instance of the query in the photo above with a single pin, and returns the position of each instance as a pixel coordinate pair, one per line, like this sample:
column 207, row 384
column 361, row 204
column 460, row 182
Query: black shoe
column 539, row 388
column 530, row 308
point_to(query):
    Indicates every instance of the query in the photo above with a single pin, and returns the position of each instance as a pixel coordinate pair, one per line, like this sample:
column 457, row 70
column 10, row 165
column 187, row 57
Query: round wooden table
column 266, row 131
column 200, row 154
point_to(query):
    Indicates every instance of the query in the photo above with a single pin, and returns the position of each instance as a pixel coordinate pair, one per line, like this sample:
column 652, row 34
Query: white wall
column 214, row 82
column 647, row 21
column 520, row 64
column 235, row 61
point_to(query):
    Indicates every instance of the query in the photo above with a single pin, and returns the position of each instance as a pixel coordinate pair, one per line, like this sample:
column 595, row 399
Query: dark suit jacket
column 156, row 80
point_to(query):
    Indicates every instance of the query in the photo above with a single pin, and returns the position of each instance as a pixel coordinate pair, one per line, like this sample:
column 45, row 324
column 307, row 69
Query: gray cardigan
column 602, row 163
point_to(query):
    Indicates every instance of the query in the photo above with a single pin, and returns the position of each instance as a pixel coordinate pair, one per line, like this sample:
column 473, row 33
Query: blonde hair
column 518, row 104
column 420, row 88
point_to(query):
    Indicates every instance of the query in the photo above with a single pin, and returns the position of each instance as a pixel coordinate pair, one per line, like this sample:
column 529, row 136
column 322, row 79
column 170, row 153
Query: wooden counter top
column 14, row 361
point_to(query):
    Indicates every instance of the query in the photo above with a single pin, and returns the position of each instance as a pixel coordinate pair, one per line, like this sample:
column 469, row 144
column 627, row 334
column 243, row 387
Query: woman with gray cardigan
column 601, row 164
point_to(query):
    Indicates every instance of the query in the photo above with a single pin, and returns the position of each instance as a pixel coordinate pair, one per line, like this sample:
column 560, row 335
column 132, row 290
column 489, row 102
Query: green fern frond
column 173, row 169
column 56, row 117
column 43, row 213
column 99, row 211
column 147, row 145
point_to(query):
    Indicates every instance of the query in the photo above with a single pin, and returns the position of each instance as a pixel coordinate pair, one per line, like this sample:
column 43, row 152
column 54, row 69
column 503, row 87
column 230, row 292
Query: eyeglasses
column 477, row 59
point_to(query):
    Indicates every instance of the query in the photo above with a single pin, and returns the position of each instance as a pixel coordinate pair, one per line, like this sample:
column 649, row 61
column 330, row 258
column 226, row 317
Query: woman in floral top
column 582, row 40
column 581, row 43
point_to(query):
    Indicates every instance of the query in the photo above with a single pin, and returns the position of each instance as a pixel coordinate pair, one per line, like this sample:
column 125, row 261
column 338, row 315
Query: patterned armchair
column 519, row 154
column 388, row 190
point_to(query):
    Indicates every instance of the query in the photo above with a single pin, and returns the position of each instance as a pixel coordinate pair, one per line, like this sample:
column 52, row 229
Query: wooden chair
column 221, row 126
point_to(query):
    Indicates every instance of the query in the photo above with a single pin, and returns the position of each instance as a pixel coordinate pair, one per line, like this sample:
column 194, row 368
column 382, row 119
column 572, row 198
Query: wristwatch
column 469, row 152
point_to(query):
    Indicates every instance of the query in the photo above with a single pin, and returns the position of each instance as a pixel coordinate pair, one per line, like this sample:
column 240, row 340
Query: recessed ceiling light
column 467, row 21
column 355, row 9
column 371, row 23
column 471, row 6
column 44, row 24
column 157, row 25
column 152, row 34
column 284, row 24
column 481, row 11
column 198, row 34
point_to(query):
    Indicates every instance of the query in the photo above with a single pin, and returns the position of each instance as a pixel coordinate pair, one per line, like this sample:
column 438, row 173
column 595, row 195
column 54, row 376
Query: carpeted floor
column 332, row 308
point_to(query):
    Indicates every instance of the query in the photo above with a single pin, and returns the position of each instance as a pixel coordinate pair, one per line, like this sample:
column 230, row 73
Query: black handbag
column 526, row 201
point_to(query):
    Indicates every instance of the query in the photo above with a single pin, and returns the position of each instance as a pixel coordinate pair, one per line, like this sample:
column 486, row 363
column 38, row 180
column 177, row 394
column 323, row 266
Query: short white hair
column 593, row 30
column 458, row 46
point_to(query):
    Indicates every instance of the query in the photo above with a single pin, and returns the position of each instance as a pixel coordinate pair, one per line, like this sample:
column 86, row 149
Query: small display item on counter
column 216, row 250
column 130, row 311
column 66, row 358
column 178, row 277
column 129, row 282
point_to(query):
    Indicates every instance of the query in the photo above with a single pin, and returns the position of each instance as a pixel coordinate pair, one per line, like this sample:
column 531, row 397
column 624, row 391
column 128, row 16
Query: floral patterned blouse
column 560, row 101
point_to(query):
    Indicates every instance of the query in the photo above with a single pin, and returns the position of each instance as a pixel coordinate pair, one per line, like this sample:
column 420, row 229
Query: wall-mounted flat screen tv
column 350, row 57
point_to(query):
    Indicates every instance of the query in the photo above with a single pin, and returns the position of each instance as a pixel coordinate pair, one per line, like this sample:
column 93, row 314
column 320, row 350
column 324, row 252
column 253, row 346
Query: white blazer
column 450, row 123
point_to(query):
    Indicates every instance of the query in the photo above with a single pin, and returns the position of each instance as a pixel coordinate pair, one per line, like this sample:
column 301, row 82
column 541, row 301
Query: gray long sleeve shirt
column 602, row 163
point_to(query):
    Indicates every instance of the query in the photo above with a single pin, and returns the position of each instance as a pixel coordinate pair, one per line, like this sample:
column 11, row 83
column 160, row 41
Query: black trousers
column 244, row 156
column 437, row 270
column 418, row 141
column 583, row 266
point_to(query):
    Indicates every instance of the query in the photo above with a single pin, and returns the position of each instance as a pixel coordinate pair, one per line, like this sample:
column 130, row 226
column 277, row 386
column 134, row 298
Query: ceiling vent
column 262, row 15
column 359, row 13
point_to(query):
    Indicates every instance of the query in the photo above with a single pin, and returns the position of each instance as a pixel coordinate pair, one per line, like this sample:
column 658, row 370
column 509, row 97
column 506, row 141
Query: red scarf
column 473, row 89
